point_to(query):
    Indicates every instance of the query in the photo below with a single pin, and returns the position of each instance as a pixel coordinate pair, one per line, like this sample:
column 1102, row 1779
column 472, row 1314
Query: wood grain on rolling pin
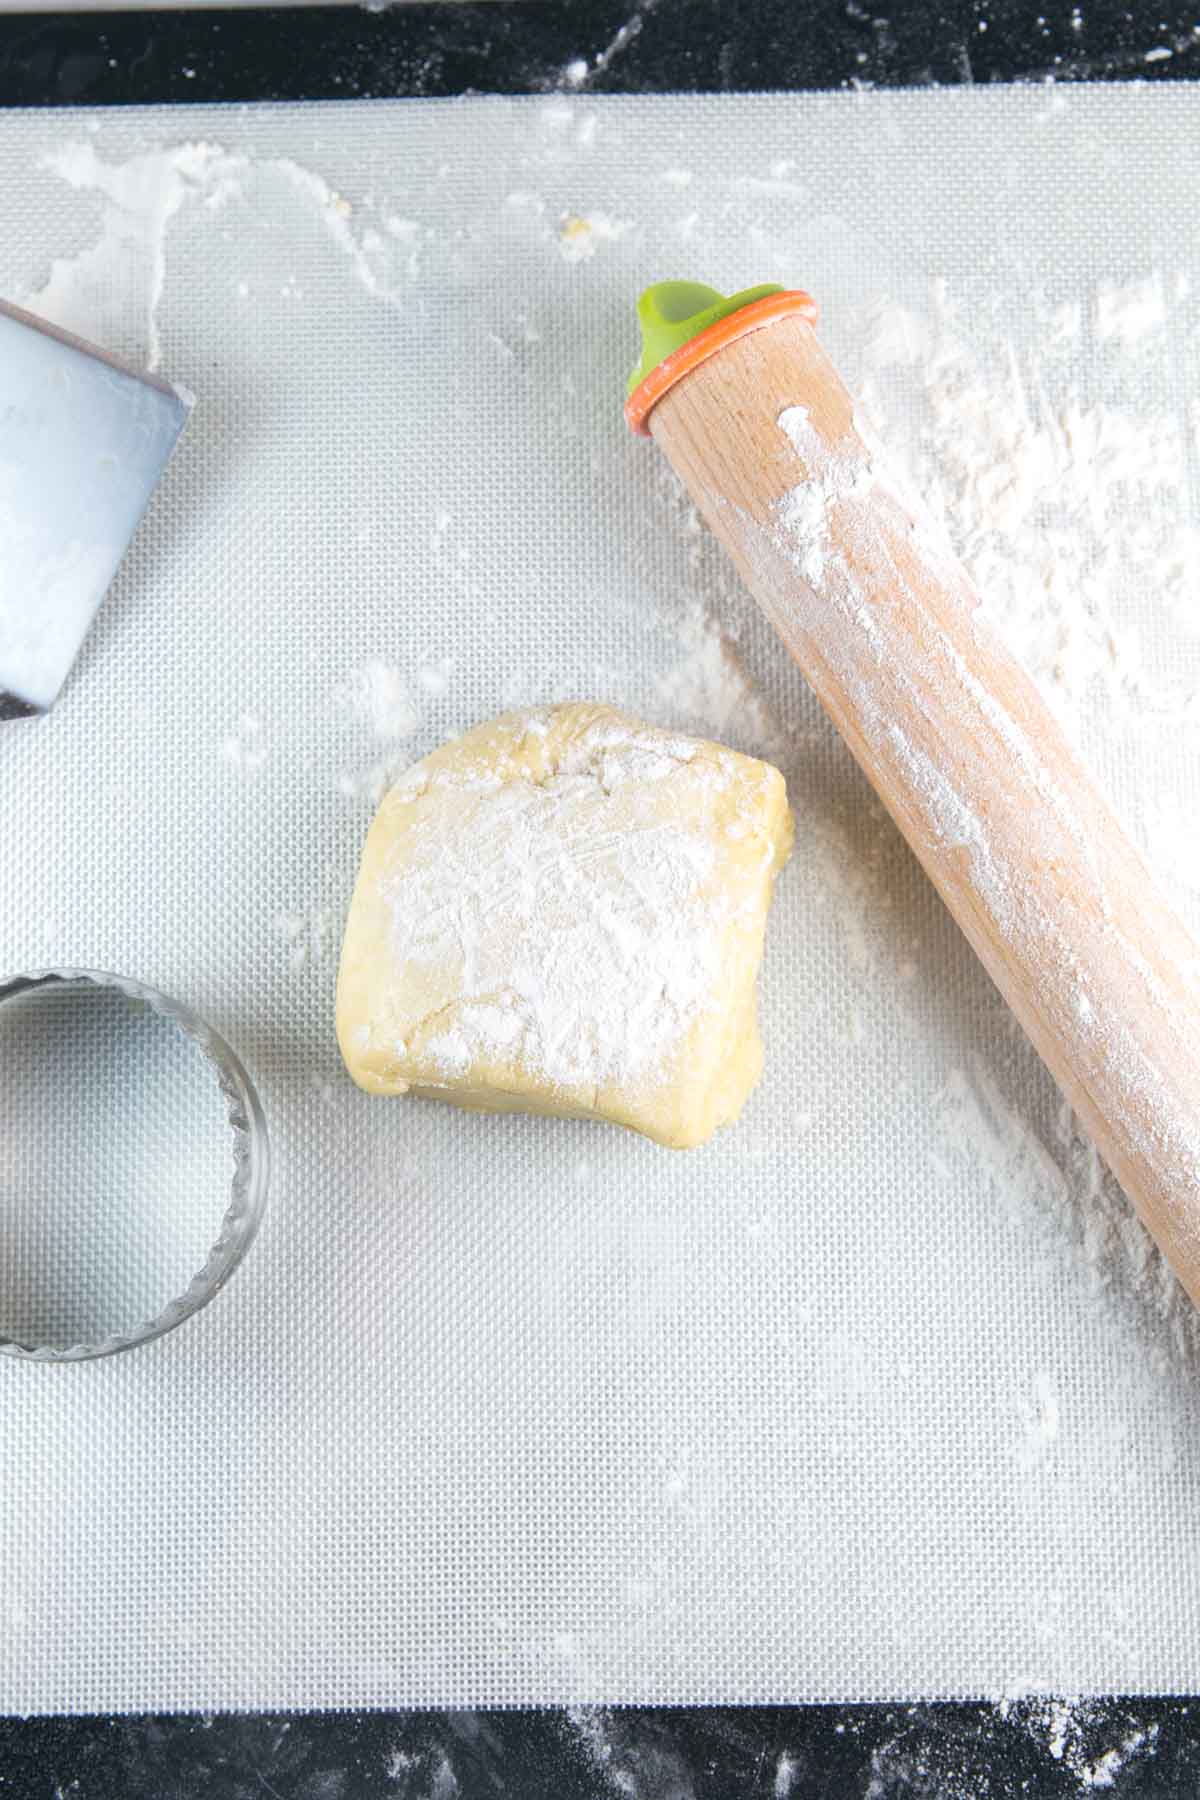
column 962, row 749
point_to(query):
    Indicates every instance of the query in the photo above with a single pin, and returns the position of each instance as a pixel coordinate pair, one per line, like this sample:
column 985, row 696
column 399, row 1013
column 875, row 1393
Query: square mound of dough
column 563, row 912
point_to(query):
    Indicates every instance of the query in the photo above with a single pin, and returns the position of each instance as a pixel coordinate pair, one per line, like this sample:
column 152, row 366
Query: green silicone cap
column 672, row 313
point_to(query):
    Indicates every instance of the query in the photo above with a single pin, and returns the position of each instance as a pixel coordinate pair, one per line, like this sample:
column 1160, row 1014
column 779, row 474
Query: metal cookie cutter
column 134, row 1163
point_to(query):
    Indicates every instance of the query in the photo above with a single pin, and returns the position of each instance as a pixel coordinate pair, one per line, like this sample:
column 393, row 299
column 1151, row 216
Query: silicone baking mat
column 883, row 1393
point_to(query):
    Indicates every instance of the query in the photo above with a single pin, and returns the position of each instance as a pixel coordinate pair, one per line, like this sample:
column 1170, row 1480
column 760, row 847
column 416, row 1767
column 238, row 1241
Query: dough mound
column 563, row 912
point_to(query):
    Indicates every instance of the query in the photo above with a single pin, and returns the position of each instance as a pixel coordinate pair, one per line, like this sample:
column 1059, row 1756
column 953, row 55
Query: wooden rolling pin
column 945, row 724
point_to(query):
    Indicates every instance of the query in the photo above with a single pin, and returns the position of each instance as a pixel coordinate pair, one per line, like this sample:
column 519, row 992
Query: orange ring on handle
column 689, row 356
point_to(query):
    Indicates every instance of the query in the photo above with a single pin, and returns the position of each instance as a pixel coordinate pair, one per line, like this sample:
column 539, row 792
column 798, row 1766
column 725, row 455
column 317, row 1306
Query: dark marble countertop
column 525, row 46
column 1044, row 1748
column 1047, row 1749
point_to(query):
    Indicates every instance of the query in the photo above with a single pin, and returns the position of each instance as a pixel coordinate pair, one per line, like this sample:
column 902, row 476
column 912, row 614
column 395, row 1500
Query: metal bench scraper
column 83, row 441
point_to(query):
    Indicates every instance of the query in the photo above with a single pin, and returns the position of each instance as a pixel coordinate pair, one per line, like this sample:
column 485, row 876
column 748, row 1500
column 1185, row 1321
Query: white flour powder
column 378, row 694
column 581, row 908
column 581, row 234
column 110, row 292
column 1069, row 512
column 91, row 293
column 710, row 688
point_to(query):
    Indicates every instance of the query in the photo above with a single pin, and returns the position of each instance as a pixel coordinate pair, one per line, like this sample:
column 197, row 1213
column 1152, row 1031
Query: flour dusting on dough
column 565, row 908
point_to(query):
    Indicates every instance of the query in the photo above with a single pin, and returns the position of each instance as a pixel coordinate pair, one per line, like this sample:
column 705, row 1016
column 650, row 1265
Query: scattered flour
column 434, row 678
column 246, row 748
column 581, row 234
column 1072, row 1732
column 1064, row 507
column 635, row 1758
column 709, row 688
column 381, row 698
column 443, row 1782
column 579, row 71
column 1173, row 845
column 308, row 935
column 1040, row 1421
column 110, row 292
column 336, row 213
column 371, row 783
column 1131, row 313
column 1061, row 1194
column 378, row 694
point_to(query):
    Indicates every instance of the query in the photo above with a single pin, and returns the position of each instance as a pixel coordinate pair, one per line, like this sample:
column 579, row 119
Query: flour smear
column 111, row 291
